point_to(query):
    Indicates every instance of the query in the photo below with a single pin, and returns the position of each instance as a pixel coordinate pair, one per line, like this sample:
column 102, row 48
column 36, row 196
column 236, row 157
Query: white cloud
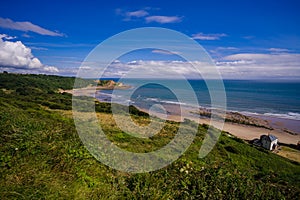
column 152, row 69
column 7, row 37
column 85, row 67
column 163, row 19
column 138, row 13
column 38, row 48
column 236, row 66
column 251, row 65
column 234, row 62
column 202, row 36
column 227, row 48
column 132, row 15
column 145, row 15
column 219, row 51
column 278, row 50
column 25, row 35
column 267, row 58
column 50, row 69
column 164, row 52
column 26, row 26
column 16, row 56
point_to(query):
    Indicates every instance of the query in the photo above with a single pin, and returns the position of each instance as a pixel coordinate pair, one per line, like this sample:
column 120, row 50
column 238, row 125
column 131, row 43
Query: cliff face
column 107, row 84
column 111, row 83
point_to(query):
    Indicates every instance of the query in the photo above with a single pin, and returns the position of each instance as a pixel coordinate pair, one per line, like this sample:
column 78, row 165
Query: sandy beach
column 242, row 131
column 246, row 132
column 90, row 90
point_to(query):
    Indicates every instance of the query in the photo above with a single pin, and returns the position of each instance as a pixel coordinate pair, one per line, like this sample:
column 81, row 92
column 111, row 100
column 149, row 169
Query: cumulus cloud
column 163, row 19
column 150, row 69
column 202, row 36
column 235, row 66
column 26, row 26
column 251, row 65
column 50, row 69
column 16, row 56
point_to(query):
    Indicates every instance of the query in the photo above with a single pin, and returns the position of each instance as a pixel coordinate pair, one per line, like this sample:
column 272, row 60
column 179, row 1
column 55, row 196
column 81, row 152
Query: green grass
column 42, row 157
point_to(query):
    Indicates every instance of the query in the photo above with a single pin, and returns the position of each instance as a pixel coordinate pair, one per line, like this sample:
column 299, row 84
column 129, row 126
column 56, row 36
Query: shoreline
column 90, row 90
column 290, row 126
column 269, row 125
column 243, row 131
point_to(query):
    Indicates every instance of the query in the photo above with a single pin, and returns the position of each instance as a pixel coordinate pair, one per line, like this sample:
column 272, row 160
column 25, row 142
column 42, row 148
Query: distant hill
column 40, row 81
column 42, row 157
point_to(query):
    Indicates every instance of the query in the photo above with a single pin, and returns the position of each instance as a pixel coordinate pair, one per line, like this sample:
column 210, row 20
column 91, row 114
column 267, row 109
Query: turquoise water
column 279, row 99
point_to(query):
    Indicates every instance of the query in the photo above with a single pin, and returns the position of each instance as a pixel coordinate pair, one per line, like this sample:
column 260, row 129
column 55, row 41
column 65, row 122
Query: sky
column 248, row 39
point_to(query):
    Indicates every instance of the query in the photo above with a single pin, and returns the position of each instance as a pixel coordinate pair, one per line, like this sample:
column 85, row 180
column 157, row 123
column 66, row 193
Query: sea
column 269, row 99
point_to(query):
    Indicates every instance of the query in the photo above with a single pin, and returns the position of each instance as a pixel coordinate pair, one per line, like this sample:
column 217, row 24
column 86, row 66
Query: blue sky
column 246, row 39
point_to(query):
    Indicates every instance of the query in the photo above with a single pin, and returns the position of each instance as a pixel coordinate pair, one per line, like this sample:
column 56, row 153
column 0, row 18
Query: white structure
column 268, row 141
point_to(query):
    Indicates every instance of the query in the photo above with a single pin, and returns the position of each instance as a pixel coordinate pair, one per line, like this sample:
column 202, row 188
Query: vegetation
column 42, row 157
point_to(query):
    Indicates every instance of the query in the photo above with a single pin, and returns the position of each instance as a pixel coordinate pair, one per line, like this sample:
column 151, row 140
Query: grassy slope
column 41, row 156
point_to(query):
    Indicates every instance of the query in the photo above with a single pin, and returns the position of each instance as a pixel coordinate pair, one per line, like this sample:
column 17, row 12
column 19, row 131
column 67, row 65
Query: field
column 42, row 157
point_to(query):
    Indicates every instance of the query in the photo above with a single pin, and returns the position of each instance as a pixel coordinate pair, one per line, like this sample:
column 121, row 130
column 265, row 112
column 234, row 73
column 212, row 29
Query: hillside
column 42, row 157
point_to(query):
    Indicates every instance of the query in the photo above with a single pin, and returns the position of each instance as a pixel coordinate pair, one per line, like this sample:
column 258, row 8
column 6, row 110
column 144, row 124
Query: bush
column 231, row 149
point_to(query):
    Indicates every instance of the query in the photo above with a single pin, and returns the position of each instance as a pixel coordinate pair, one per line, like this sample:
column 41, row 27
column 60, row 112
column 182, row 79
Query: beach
column 246, row 132
column 90, row 90
column 252, row 126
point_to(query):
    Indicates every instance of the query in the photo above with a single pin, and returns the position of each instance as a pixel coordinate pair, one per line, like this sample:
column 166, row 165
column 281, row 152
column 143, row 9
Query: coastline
column 260, row 124
column 291, row 126
column 90, row 90
column 243, row 131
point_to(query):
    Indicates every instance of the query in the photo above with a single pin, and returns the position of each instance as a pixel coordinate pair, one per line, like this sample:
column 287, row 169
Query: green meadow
column 42, row 156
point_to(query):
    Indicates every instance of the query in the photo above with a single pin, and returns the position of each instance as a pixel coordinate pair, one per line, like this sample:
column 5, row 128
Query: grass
column 42, row 157
column 290, row 153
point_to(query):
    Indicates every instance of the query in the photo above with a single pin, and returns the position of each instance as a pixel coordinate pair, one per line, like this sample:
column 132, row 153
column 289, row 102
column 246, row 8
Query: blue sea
column 272, row 98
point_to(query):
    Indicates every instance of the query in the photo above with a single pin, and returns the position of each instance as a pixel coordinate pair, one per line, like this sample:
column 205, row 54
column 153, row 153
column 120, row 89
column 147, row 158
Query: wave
column 151, row 99
column 289, row 115
column 173, row 102
column 165, row 101
column 119, row 99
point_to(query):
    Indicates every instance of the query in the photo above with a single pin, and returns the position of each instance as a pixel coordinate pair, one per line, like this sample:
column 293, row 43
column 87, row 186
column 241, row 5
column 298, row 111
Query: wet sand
column 290, row 125
column 242, row 131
